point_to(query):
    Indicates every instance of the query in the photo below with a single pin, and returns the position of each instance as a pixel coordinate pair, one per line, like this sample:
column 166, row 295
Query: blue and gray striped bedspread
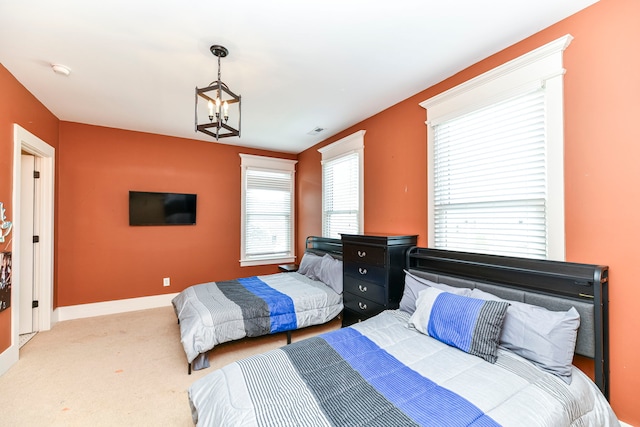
column 381, row 390
column 382, row 373
column 218, row 312
column 273, row 304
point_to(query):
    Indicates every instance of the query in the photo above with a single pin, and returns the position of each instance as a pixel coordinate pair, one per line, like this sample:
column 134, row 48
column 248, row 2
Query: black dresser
column 372, row 273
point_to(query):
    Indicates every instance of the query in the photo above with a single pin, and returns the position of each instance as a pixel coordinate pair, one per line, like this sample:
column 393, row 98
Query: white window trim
column 353, row 143
column 268, row 164
column 540, row 67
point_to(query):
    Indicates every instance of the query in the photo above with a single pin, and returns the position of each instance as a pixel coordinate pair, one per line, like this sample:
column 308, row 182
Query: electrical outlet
column 166, row 281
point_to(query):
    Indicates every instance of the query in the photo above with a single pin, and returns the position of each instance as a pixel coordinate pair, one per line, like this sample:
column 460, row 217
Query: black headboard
column 324, row 245
column 551, row 284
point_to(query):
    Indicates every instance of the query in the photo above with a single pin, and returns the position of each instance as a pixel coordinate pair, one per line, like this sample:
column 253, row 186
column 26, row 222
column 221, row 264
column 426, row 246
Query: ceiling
column 298, row 64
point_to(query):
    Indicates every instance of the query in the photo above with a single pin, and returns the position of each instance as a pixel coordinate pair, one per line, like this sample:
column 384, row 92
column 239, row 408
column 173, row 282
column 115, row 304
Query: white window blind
column 268, row 213
column 268, row 210
column 490, row 179
column 343, row 186
column 341, row 207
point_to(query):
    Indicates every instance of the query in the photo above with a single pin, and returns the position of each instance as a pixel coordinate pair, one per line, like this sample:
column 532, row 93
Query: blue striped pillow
column 470, row 324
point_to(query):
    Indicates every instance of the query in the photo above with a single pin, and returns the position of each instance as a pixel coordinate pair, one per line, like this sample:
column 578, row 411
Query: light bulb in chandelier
column 210, row 105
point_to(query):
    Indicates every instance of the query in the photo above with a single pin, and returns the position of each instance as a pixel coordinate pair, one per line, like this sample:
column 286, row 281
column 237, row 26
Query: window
column 267, row 210
column 342, row 186
column 496, row 180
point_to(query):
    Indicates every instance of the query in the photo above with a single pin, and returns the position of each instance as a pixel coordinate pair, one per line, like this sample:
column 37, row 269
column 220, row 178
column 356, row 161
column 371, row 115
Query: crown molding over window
column 525, row 72
column 346, row 145
column 262, row 162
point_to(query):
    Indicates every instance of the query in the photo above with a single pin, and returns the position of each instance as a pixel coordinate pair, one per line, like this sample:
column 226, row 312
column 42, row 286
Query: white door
column 28, row 249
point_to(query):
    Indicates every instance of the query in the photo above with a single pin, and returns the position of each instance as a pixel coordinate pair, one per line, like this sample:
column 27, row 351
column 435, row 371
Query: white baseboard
column 82, row 311
column 8, row 358
column 623, row 424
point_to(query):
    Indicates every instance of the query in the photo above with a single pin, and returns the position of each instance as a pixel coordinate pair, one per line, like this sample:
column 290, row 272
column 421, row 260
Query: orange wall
column 602, row 196
column 395, row 182
column 100, row 257
column 19, row 106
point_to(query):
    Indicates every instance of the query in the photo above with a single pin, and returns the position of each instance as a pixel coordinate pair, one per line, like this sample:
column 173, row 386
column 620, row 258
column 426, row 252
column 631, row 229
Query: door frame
column 24, row 140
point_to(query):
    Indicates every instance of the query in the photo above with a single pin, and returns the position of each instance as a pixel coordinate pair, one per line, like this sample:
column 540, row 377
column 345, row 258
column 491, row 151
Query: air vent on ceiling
column 315, row 131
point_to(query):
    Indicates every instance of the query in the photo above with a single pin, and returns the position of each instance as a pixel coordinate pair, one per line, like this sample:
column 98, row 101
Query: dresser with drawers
column 373, row 273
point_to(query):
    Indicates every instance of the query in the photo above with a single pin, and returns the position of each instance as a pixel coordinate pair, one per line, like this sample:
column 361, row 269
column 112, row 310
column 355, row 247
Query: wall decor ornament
column 5, row 226
column 5, row 280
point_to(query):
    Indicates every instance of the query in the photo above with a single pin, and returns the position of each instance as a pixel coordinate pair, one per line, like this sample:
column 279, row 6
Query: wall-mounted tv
column 147, row 208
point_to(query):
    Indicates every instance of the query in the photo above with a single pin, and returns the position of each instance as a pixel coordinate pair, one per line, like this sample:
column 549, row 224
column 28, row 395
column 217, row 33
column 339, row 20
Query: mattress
column 383, row 373
column 213, row 313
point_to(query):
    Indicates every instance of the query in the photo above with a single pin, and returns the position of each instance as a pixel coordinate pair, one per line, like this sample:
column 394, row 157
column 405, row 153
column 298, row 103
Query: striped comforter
column 381, row 373
column 217, row 312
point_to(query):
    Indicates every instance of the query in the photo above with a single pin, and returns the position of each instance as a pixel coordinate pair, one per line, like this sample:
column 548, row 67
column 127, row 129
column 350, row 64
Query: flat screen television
column 148, row 208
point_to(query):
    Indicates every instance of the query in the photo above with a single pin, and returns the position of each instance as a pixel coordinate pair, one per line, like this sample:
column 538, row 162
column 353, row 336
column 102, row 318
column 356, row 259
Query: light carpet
column 120, row 370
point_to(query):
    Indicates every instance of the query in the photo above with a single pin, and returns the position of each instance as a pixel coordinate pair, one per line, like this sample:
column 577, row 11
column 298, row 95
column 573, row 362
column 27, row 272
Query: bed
column 426, row 364
column 217, row 312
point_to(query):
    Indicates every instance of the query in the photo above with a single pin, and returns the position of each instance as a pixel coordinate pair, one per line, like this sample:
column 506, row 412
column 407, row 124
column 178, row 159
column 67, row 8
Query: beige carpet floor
column 120, row 370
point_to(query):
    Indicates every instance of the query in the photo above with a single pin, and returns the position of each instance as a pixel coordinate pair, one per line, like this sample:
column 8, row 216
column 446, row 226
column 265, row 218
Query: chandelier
column 220, row 103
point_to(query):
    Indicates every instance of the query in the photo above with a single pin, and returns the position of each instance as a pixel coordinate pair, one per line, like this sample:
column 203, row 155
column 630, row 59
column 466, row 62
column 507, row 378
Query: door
column 28, row 249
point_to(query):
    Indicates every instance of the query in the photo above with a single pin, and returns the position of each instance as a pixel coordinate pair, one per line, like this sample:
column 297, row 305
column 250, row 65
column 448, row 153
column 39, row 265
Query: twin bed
column 479, row 340
column 217, row 312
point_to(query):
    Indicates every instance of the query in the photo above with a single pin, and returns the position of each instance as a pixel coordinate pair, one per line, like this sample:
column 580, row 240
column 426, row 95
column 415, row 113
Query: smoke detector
column 60, row 69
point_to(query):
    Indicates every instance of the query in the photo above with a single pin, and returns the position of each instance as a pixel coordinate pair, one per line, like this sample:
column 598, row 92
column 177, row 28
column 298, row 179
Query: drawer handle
column 362, row 288
column 362, row 306
column 362, row 254
column 362, row 271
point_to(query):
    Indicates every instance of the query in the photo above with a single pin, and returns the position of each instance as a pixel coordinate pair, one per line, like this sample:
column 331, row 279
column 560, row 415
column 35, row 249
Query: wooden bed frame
column 551, row 284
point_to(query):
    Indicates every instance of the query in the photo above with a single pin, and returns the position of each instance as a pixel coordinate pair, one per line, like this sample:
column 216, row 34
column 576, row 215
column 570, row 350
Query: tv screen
column 147, row 208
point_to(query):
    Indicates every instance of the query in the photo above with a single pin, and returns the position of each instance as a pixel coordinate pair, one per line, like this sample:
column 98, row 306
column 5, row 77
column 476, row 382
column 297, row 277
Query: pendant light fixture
column 216, row 104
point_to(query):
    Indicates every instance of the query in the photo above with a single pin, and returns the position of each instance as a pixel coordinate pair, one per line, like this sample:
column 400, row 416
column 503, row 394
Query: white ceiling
column 298, row 64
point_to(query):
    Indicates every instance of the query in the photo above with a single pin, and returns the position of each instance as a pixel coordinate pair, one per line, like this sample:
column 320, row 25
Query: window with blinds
column 341, row 207
column 268, row 210
column 490, row 179
column 495, row 159
column 343, row 186
column 268, row 214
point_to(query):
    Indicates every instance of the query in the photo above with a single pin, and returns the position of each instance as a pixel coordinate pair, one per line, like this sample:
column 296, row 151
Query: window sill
column 253, row 262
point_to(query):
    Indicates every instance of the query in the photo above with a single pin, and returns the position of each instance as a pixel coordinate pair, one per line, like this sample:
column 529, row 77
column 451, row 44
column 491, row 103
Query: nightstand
column 288, row 268
column 373, row 274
